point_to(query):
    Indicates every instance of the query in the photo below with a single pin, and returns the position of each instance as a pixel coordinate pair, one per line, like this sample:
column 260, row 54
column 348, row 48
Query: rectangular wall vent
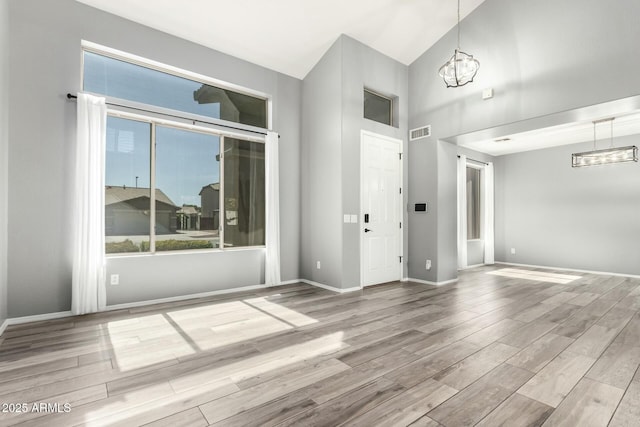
column 421, row 132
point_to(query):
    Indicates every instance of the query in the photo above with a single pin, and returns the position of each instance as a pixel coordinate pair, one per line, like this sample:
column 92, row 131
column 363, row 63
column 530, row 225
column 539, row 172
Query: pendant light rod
column 596, row 122
column 458, row 24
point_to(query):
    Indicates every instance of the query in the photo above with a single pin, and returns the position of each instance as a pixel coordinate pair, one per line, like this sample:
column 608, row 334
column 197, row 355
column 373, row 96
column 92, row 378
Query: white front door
column 380, row 218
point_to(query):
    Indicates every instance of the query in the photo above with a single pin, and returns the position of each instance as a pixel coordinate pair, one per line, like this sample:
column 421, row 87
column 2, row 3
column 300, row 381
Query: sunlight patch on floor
column 153, row 340
column 281, row 312
column 158, row 338
column 538, row 276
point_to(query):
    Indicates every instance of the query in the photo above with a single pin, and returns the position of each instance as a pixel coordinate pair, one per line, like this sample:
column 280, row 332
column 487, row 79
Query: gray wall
column 362, row 67
column 44, row 66
column 541, row 57
column 332, row 122
column 322, row 170
column 555, row 215
column 4, row 158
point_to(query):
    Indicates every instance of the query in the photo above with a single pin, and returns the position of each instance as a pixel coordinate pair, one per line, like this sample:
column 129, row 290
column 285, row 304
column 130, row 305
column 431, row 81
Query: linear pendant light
column 606, row 156
column 461, row 68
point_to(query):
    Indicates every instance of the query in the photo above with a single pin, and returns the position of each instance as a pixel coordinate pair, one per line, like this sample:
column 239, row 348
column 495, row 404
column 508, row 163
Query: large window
column 473, row 203
column 128, row 186
column 183, row 198
column 117, row 78
column 244, row 197
column 187, row 178
column 170, row 186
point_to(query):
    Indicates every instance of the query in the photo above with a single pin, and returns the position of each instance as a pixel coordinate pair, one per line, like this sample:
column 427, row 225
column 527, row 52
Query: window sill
column 187, row 252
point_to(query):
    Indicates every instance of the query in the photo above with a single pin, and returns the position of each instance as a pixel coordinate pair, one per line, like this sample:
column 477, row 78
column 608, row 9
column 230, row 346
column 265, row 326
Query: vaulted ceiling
column 290, row 36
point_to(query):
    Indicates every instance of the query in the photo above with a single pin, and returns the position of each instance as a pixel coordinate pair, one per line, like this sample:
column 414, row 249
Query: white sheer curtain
column 272, row 258
column 88, row 280
column 462, row 212
column 488, row 214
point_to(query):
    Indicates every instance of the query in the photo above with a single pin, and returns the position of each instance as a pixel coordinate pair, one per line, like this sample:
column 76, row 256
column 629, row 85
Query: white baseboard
column 546, row 267
column 426, row 282
column 185, row 297
column 38, row 318
column 198, row 295
column 473, row 266
column 290, row 282
column 62, row 314
column 330, row 288
column 4, row 326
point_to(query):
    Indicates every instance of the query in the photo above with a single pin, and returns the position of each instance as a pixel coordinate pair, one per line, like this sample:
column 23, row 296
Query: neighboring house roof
column 215, row 186
column 188, row 210
column 114, row 195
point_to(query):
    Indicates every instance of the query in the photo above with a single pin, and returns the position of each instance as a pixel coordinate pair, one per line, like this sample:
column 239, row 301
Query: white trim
column 62, row 314
column 330, row 288
column 183, row 297
column 287, row 282
column 153, row 206
column 426, row 282
column 401, row 201
column 546, row 267
column 222, row 212
column 114, row 112
column 472, row 266
column 38, row 317
column 198, row 295
column 124, row 106
column 3, row 327
column 184, row 252
column 269, row 113
column 165, row 68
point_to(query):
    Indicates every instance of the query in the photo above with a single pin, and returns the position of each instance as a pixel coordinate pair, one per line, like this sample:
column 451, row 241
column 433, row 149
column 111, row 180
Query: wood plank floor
column 502, row 346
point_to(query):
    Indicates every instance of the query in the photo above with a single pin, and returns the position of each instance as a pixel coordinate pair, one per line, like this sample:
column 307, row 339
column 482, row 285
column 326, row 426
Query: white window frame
column 87, row 46
column 155, row 118
column 153, row 122
column 479, row 167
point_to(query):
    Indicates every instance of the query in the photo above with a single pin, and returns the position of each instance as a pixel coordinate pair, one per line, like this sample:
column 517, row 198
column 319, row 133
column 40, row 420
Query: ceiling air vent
column 418, row 133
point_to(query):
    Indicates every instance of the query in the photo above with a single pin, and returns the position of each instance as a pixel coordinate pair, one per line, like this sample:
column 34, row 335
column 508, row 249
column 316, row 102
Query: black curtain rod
column 474, row 160
column 71, row 96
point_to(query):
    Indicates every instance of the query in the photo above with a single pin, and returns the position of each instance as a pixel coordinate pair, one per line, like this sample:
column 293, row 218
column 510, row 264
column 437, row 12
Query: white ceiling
column 624, row 124
column 290, row 36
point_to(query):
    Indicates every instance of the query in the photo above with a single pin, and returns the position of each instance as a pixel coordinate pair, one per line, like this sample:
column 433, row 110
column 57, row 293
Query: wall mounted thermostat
column 420, row 207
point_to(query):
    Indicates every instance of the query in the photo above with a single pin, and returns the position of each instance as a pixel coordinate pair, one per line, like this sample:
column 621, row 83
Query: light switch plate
column 347, row 218
column 354, row 219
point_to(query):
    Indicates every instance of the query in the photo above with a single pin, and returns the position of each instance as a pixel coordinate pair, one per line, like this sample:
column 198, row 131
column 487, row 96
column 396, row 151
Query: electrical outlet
column 513, row 251
column 318, row 265
column 115, row 279
column 428, row 265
